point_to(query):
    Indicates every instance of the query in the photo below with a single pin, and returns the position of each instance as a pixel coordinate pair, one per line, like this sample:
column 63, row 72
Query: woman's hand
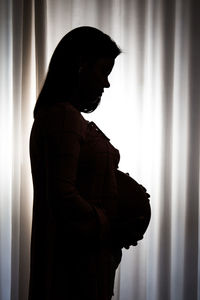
column 145, row 191
column 126, row 233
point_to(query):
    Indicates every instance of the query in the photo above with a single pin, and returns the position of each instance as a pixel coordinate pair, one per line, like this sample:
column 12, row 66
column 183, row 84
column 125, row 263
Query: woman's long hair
column 81, row 44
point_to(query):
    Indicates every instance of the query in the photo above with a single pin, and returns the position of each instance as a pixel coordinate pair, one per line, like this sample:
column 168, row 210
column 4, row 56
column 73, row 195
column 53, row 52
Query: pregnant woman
column 77, row 233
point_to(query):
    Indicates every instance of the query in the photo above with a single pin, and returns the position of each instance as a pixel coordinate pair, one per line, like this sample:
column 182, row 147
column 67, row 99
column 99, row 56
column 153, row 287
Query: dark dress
column 75, row 190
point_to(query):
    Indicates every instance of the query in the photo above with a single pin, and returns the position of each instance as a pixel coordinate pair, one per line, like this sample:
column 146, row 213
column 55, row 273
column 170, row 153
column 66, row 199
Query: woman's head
column 78, row 69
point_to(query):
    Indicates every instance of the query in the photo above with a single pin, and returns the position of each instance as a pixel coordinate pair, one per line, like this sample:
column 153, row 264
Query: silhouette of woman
column 75, row 244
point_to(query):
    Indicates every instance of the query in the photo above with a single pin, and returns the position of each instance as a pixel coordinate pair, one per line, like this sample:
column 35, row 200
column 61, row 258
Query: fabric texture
column 74, row 177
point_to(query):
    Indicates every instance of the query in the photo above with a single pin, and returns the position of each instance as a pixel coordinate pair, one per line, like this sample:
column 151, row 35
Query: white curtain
column 151, row 114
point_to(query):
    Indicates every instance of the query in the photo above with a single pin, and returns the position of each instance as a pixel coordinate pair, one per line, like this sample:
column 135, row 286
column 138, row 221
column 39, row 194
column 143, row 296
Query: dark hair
column 80, row 44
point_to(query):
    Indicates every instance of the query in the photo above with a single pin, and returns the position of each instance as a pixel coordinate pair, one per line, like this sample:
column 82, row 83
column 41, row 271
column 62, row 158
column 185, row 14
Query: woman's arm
column 63, row 146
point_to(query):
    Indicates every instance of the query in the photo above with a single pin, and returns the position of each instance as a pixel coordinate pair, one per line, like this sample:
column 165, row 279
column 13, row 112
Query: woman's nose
column 106, row 83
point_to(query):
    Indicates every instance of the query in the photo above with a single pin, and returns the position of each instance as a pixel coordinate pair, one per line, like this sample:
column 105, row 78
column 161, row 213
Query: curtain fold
column 150, row 113
column 191, row 246
column 40, row 11
column 23, row 98
column 5, row 148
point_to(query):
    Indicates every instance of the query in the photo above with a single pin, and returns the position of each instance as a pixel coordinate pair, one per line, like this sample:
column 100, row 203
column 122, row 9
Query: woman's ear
column 82, row 63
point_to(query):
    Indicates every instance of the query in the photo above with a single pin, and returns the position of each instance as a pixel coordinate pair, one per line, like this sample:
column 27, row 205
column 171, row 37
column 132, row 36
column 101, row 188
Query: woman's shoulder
column 64, row 109
column 64, row 116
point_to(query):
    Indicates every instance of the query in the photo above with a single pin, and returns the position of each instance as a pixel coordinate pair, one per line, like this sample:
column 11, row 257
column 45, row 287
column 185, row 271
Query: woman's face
column 93, row 78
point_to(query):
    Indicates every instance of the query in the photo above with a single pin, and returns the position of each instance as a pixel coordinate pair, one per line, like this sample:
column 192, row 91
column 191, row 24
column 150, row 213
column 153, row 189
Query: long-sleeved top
column 74, row 179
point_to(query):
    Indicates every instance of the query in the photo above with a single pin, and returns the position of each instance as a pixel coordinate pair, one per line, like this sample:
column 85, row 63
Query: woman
column 76, row 245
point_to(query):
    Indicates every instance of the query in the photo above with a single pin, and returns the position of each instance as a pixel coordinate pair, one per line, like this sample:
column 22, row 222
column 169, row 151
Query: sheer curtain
column 151, row 114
